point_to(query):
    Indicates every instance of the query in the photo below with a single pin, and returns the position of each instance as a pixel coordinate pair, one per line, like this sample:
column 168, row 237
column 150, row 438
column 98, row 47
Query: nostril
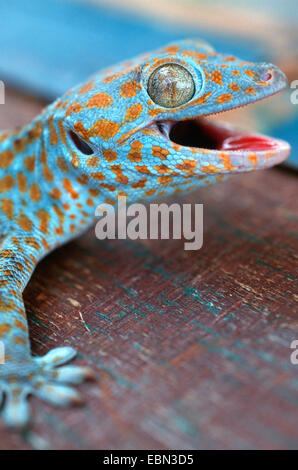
column 266, row 76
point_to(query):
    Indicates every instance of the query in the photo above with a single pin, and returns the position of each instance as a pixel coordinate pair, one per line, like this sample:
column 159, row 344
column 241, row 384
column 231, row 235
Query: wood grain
column 191, row 350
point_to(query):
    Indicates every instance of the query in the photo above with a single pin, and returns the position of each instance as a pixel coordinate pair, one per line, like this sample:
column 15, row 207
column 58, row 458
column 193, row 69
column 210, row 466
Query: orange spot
column 6, row 183
column 53, row 132
column 225, row 157
column 250, row 90
column 59, row 231
column 24, row 222
column 47, row 173
column 133, row 112
column 224, row 98
column 29, row 163
column 236, row 73
column 139, row 184
column 90, row 202
column 73, row 108
column 109, row 201
column 68, row 187
column 234, row 86
column 55, row 193
column 230, row 58
column 8, row 208
column 196, row 55
column 108, row 186
column 202, row 99
column 60, row 214
column 86, row 88
column 19, row 145
column 18, row 340
column 162, row 169
column 75, row 161
column 171, row 49
column 100, row 100
column 44, row 218
column 94, row 192
column 32, row 242
column 253, row 158
column 61, row 163
column 4, row 328
column 187, row 165
column 4, row 135
column 209, row 169
column 216, row 77
column 22, row 182
column 34, row 133
column 98, row 176
column 135, row 152
column 129, row 89
column 62, row 132
column 45, row 244
column 111, row 78
column 110, row 155
column 123, row 179
column 143, row 169
column 250, row 73
column 6, row 158
column 102, row 128
column 43, row 155
column 20, row 325
column 83, row 179
column 150, row 192
column 93, row 162
column 35, row 193
column 165, row 180
column 159, row 152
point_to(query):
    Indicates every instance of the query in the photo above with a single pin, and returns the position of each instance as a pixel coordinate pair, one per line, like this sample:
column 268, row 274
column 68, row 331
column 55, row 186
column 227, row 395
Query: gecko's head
column 142, row 125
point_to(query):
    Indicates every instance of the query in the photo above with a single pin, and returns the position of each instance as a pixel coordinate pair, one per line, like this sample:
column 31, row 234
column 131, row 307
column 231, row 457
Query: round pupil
column 171, row 85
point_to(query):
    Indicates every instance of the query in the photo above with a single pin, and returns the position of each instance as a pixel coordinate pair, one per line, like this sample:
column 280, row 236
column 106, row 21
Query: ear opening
column 80, row 143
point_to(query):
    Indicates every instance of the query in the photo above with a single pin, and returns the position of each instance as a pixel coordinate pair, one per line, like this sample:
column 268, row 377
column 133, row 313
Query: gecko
column 140, row 129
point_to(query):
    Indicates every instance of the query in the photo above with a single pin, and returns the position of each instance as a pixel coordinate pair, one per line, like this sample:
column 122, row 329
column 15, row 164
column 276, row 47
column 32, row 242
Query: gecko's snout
column 270, row 75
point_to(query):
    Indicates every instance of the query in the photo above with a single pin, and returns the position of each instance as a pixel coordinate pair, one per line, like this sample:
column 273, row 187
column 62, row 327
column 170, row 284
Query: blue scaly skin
column 137, row 130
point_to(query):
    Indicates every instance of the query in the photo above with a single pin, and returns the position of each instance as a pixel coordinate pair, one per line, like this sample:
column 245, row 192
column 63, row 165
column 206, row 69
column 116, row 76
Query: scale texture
column 161, row 311
column 195, row 347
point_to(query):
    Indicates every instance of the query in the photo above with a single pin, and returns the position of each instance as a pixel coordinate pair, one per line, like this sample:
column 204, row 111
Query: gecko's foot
column 42, row 377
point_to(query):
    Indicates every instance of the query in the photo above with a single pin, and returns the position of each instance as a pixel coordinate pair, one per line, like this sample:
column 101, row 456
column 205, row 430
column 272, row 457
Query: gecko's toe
column 71, row 374
column 59, row 395
column 57, row 356
column 16, row 410
column 42, row 377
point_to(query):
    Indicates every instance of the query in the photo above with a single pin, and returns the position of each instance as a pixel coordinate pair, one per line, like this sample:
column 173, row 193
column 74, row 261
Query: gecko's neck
column 22, row 141
column 33, row 158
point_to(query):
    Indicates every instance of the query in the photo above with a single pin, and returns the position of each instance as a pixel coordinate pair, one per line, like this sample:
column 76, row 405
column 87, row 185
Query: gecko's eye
column 80, row 144
column 171, row 85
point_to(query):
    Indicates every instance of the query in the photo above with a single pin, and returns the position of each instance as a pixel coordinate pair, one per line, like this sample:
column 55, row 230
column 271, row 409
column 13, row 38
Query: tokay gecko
column 138, row 129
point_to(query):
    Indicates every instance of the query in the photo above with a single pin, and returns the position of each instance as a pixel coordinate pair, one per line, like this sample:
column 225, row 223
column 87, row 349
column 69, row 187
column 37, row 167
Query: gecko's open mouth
column 205, row 134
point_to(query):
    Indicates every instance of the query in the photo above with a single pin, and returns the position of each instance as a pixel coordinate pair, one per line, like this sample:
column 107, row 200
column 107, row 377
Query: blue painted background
column 48, row 46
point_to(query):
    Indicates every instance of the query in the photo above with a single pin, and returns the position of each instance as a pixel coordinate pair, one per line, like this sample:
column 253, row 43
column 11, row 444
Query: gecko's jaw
column 218, row 140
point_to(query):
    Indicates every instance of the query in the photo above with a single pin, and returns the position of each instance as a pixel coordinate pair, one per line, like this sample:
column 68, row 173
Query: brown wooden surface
column 190, row 349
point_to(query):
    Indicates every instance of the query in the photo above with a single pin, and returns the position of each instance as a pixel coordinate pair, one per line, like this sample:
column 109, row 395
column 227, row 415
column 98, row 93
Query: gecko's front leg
column 140, row 130
column 21, row 374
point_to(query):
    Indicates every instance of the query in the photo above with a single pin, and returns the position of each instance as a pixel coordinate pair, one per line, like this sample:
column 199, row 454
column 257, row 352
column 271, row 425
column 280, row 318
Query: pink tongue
column 248, row 142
